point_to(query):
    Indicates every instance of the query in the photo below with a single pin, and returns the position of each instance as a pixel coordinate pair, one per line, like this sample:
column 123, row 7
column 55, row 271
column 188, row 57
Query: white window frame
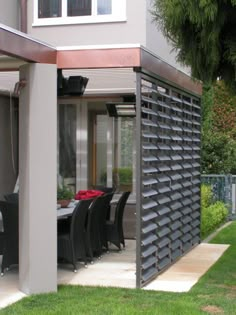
column 118, row 15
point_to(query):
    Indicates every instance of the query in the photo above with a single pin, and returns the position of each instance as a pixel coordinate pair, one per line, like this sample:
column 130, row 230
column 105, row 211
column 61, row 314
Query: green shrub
column 212, row 217
column 206, row 195
column 124, row 175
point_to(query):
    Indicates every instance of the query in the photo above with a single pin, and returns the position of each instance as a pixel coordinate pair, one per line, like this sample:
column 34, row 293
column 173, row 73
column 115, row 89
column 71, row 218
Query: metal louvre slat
column 175, row 215
column 163, row 253
column 163, row 263
column 196, row 240
column 186, row 220
column 149, row 100
column 149, row 239
column 163, row 221
column 149, row 181
column 148, row 122
column 186, row 210
column 149, row 146
column 164, row 189
column 163, row 178
column 176, row 225
column 149, row 204
column 149, row 262
column 149, row 193
column 148, row 250
column 174, row 236
column 150, row 135
column 176, row 186
column 149, row 170
column 195, row 223
column 150, row 158
column 149, row 216
column 149, row 227
column 163, row 210
column 176, row 244
column 177, row 253
column 147, row 275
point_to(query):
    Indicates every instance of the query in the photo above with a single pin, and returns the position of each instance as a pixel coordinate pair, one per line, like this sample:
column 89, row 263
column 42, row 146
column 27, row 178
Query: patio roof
column 21, row 47
column 17, row 44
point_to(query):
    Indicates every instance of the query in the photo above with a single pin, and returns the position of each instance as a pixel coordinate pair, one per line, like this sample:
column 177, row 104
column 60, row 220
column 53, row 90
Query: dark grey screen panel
column 168, row 175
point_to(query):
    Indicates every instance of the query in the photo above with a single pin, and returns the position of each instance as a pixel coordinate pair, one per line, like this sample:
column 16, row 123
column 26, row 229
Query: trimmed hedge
column 212, row 214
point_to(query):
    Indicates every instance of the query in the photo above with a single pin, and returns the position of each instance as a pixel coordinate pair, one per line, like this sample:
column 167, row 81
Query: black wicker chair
column 13, row 197
column 114, row 229
column 103, row 218
column 2, row 235
column 2, row 241
column 10, row 214
column 72, row 244
column 94, row 244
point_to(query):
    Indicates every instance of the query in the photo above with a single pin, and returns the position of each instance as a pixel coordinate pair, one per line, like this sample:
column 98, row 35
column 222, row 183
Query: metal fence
column 224, row 189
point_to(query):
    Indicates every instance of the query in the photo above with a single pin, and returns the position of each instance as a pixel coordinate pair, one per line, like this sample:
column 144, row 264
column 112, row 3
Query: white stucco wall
column 156, row 42
column 132, row 31
column 9, row 13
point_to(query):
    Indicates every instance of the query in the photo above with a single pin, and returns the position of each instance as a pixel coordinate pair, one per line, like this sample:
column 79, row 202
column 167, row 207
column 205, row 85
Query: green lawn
column 215, row 293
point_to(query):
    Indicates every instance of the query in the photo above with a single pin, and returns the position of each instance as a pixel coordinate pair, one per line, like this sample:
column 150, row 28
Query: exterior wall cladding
column 9, row 13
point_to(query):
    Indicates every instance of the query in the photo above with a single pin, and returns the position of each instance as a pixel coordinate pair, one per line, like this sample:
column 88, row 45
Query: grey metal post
column 138, row 180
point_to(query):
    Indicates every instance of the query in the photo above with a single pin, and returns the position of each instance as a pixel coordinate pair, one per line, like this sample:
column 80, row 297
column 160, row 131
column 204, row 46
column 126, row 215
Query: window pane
column 49, row 9
column 78, row 7
column 104, row 7
column 101, row 149
column 123, row 154
column 67, row 144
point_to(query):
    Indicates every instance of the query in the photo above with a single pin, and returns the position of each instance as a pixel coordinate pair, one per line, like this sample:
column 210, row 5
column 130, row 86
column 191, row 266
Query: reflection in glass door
column 98, row 160
column 67, row 145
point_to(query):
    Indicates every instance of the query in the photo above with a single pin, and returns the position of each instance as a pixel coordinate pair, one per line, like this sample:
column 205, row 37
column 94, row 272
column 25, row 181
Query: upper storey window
column 57, row 12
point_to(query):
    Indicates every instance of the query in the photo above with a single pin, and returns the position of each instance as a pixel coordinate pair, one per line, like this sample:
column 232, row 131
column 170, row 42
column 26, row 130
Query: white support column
column 38, row 179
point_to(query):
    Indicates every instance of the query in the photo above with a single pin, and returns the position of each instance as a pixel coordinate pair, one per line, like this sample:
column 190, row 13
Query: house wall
column 132, row 31
column 9, row 13
column 156, row 42
column 7, row 174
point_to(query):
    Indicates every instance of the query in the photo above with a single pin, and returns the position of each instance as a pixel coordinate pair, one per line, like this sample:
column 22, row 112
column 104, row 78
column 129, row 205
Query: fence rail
column 224, row 189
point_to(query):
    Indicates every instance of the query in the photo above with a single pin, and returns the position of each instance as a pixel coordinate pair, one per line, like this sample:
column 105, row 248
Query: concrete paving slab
column 188, row 269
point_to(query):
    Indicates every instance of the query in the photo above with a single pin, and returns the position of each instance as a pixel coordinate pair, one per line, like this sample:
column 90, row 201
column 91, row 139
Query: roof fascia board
column 168, row 73
column 99, row 58
column 17, row 44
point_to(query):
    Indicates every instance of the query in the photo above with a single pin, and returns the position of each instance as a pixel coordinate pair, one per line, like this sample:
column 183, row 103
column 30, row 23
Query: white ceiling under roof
column 101, row 81
column 109, row 81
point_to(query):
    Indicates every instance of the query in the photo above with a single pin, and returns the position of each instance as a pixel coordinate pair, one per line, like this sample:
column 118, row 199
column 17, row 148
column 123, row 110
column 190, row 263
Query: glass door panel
column 67, row 145
column 100, row 150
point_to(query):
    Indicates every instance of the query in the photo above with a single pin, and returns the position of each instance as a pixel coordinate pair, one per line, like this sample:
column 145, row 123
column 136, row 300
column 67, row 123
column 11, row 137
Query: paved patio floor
column 117, row 269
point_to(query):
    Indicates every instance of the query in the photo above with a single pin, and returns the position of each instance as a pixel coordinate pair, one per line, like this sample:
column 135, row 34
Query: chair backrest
column 13, row 197
column 120, row 208
column 78, row 220
column 105, row 189
column 93, row 226
column 94, row 212
column 106, row 206
column 10, row 215
column 106, row 199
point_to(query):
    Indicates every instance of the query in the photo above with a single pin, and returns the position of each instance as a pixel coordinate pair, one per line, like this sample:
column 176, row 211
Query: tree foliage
column 224, row 111
column 218, row 130
column 203, row 32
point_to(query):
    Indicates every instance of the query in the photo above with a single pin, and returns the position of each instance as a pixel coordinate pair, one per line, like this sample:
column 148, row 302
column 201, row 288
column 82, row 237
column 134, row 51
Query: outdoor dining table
column 66, row 212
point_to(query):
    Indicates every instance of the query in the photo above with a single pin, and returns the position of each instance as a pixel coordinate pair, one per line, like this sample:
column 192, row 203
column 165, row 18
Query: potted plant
column 64, row 196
